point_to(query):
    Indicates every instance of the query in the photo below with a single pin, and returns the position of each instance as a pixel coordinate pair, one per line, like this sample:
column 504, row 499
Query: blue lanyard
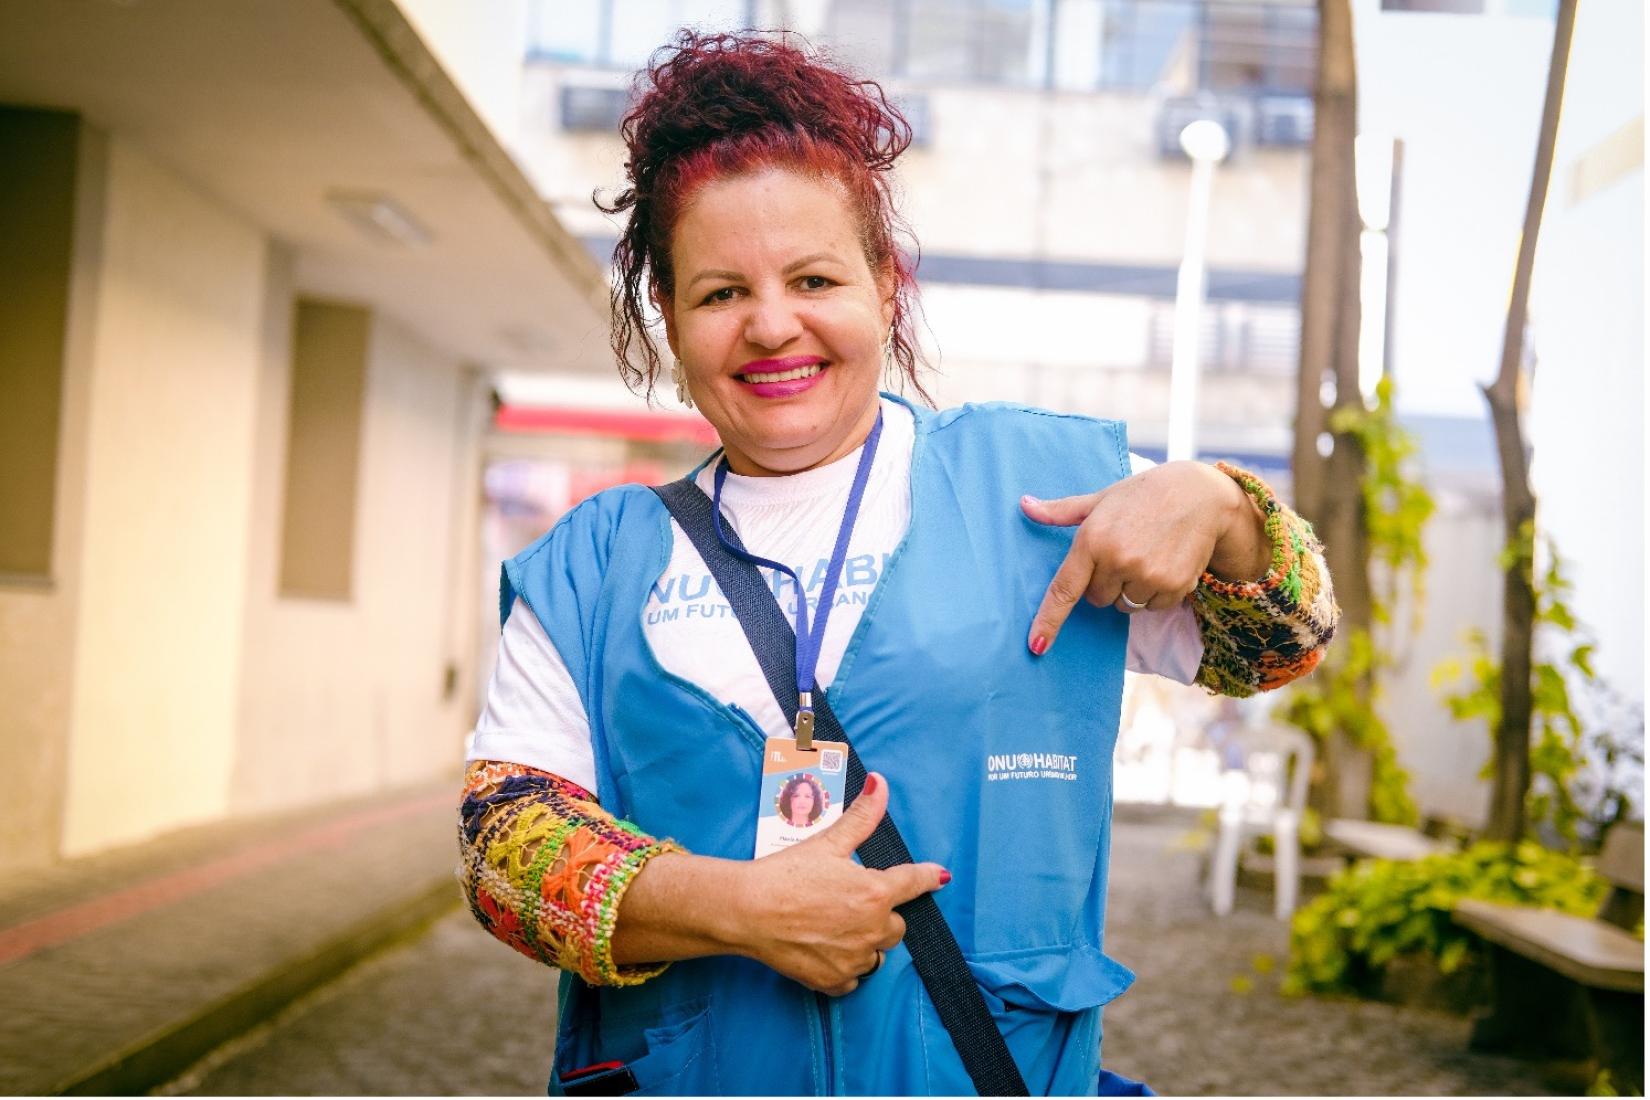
column 809, row 642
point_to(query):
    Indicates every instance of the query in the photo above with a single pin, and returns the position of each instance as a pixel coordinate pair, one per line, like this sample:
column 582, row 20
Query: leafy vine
column 1471, row 687
column 1344, row 694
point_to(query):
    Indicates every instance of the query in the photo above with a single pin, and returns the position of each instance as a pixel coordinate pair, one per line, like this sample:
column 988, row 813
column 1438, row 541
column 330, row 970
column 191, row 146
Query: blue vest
column 999, row 766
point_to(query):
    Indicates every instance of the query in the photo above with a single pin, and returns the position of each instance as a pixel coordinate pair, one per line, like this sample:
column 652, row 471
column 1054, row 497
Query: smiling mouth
column 782, row 375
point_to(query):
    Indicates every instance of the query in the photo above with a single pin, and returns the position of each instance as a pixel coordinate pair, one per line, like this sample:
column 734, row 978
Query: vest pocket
column 1046, row 1002
column 676, row 1056
column 681, row 1056
column 1067, row 979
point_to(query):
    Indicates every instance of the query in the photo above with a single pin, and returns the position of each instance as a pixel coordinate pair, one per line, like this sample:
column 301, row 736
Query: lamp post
column 1206, row 142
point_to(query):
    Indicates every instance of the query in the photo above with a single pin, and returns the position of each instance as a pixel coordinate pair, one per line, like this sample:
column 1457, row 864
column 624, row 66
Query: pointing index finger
column 1070, row 581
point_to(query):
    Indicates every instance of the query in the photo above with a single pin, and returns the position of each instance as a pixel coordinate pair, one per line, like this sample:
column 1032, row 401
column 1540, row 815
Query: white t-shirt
column 534, row 716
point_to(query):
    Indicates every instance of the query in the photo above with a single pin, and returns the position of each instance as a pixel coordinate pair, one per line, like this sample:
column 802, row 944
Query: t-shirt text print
column 694, row 596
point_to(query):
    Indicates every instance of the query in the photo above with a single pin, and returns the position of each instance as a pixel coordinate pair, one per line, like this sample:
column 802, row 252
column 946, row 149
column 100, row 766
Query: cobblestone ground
column 1187, row 1031
column 452, row 1013
column 455, row 1013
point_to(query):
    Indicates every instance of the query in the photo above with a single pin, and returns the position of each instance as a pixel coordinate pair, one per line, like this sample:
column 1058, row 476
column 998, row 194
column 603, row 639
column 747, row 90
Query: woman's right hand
column 813, row 914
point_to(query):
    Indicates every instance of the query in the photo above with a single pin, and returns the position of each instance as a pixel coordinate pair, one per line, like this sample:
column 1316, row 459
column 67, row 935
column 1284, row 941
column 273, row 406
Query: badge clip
column 805, row 722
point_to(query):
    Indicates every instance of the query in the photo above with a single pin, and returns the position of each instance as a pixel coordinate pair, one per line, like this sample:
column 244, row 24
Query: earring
column 679, row 376
column 890, row 368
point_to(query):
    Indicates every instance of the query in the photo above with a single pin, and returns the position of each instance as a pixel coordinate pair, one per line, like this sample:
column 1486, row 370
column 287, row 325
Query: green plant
column 1377, row 909
column 1345, row 692
column 1332, row 700
column 1474, row 683
column 1396, row 506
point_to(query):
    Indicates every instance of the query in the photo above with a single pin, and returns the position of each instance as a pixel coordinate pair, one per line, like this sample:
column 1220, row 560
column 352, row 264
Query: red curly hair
column 718, row 105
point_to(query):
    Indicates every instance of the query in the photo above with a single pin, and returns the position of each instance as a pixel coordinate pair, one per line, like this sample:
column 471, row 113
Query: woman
column 800, row 802
column 1002, row 567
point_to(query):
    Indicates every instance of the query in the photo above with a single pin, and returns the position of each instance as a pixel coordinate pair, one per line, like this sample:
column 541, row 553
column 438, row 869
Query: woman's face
column 802, row 803
column 771, row 280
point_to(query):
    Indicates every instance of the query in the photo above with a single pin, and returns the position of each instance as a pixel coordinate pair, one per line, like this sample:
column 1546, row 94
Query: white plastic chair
column 1266, row 795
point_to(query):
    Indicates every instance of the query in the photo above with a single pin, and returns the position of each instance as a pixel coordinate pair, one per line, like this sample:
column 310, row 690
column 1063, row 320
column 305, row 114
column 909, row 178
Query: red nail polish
column 945, row 877
column 1039, row 645
column 870, row 784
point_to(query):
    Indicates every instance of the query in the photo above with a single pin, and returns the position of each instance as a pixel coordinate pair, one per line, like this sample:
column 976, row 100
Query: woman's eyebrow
column 734, row 276
column 731, row 276
column 806, row 260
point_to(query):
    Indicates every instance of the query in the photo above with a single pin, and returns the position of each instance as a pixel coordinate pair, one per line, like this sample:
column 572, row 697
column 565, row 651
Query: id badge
column 802, row 792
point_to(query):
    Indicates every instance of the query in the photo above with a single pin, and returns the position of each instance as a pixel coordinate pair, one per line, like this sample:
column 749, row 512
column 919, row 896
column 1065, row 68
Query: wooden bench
column 1373, row 839
column 1570, row 987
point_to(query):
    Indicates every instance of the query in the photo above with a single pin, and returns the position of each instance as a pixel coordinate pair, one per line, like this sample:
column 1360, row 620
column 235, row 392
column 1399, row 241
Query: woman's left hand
column 1145, row 541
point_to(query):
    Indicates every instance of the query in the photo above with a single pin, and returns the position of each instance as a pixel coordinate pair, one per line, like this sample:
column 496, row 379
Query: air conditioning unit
column 1283, row 120
column 1234, row 115
column 585, row 109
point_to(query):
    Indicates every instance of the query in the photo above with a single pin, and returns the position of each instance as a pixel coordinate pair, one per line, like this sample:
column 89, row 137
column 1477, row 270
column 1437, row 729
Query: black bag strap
column 934, row 950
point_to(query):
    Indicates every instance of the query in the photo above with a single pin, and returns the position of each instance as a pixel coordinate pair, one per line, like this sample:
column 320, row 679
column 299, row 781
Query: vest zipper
column 823, row 1004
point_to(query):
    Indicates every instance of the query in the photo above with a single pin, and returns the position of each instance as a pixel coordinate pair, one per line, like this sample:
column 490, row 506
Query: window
column 638, row 27
column 1237, row 47
column 323, row 452
column 593, row 110
column 974, row 40
column 37, row 199
column 621, row 33
column 1458, row 7
column 1141, row 41
column 996, row 41
column 1258, row 48
column 1235, row 338
column 1266, row 46
column 566, row 30
column 868, row 34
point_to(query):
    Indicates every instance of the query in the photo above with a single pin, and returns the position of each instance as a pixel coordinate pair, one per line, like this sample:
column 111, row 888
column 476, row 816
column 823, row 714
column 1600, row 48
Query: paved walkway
column 119, row 973
column 451, row 1013
column 1186, row 1030
column 118, row 970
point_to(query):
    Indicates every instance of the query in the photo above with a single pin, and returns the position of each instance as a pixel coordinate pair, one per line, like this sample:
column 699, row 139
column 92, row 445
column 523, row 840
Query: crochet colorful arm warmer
column 1259, row 635
column 544, row 868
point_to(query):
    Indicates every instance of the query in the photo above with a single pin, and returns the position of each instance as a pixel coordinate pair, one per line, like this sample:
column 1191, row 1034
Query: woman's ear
column 887, row 286
column 665, row 304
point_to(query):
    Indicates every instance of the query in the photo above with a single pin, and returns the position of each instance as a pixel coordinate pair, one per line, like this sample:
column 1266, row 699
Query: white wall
column 162, row 560
column 1463, row 590
column 38, row 615
column 194, row 691
column 1464, row 94
column 345, row 697
column 1587, row 313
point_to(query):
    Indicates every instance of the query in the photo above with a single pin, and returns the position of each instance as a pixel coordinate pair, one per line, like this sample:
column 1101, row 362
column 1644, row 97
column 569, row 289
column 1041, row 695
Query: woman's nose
column 771, row 324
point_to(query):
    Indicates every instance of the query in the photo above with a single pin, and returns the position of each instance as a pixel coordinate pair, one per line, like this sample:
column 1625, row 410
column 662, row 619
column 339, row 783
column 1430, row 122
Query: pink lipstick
column 785, row 377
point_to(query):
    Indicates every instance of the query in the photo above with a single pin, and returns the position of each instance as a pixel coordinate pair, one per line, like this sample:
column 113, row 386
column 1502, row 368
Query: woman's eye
column 815, row 282
column 723, row 294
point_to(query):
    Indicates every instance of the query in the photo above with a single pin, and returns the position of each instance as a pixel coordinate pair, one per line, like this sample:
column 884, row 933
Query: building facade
column 1045, row 185
column 257, row 262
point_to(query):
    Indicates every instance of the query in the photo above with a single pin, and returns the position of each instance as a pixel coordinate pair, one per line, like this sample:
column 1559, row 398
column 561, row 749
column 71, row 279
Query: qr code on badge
column 830, row 760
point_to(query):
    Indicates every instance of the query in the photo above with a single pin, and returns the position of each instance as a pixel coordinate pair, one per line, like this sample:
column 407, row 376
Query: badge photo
column 802, row 792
